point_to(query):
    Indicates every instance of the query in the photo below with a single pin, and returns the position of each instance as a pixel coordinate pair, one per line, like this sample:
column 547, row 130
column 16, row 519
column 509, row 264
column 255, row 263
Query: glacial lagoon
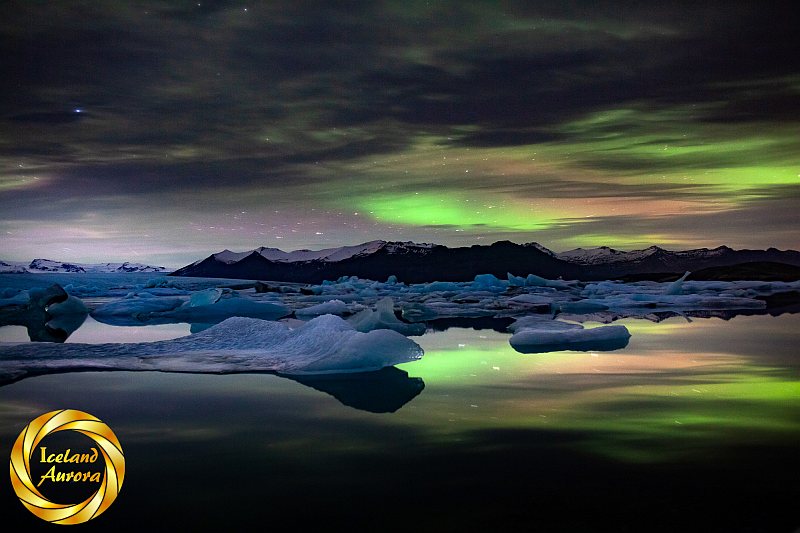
column 693, row 425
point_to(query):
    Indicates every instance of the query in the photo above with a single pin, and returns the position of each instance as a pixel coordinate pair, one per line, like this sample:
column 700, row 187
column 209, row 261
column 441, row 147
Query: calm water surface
column 695, row 426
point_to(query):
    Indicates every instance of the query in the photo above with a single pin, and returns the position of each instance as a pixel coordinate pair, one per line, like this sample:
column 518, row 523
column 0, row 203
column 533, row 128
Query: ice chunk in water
column 383, row 318
column 206, row 297
column 536, row 335
column 489, row 282
column 326, row 344
column 676, row 287
column 536, row 281
column 331, row 307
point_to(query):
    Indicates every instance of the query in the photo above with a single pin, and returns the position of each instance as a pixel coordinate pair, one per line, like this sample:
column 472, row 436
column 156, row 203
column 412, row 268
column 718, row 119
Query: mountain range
column 423, row 262
column 39, row 266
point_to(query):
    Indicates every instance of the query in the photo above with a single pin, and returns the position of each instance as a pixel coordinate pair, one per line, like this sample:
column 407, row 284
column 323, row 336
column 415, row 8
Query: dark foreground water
column 692, row 427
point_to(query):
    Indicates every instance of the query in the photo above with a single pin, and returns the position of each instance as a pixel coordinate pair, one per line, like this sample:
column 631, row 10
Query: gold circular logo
column 92, row 427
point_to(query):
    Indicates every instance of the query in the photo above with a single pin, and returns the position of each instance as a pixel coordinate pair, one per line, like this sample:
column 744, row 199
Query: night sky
column 163, row 131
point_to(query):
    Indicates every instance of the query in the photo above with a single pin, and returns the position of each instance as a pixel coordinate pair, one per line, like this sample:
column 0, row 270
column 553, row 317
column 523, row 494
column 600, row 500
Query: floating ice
column 206, row 297
column 331, row 307
column 383, row 318
column 676, row 287
column 161, row 283
column 13, row 297
column 209, row 306
column 326, row 344
column 49, row 314
column 581, row 306
column 541, row 322
column 70, row 306
column 536, row 281
column 417, row 312
column 438, row 286
column 515, row 281
column 527, row 300
column 539, row 336
column 135, row 309
column 489, row 282
column 228, row 307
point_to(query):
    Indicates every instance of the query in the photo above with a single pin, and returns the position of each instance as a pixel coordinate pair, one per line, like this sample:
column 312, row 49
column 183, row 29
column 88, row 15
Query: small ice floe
column 539, row 335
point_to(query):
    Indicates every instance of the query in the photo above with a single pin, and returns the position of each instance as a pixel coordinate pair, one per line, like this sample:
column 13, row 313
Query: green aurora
column 222, row 125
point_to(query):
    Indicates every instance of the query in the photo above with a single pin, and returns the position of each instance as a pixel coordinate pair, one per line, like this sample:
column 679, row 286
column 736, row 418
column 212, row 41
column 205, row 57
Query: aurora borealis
column 162, row 131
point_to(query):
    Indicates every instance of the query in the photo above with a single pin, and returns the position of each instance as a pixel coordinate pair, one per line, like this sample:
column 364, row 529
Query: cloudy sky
column 163, row 131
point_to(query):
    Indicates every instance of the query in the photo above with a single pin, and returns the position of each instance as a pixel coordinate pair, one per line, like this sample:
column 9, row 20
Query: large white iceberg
column 326, row 344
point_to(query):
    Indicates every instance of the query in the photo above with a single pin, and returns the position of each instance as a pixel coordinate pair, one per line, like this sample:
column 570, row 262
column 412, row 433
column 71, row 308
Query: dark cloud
column 294, row 99
column 49, row 118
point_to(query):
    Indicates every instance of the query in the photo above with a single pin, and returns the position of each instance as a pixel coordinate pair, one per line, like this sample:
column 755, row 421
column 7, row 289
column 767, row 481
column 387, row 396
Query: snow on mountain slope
column 541, row 248
column 329, row 255
column 604, row 255
column 38, row 266
column 226, row 256
column 8, row 268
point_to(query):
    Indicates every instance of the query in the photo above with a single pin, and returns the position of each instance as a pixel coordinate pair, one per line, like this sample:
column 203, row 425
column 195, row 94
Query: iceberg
column 417, row 312
column 135, row 309
column 206, row 297
column 580, row 307
column 438, row 286
column 537, row 281
column 324, row 345
column 535, row 335
column 489, row 282
column 208, row 306
column 383, row 318
column 13, row 297
column 541, row 322
column 49, row 314
column 331, row 307
column 534, row 302
column 515, row 281
column 676, row 287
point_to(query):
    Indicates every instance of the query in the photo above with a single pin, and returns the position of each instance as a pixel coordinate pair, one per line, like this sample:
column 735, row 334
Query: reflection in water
column 680, row 389
column 36, row 316
column 384, row 391
column 478, row 323
column 692, row 427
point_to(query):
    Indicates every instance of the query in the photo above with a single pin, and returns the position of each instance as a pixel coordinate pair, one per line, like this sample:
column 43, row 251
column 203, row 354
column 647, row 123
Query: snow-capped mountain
column 414, row 263
column 541, row 248
column 409, row 261
column 38, row 266
column 9, row 268
column 327, row 255
column 605, row 255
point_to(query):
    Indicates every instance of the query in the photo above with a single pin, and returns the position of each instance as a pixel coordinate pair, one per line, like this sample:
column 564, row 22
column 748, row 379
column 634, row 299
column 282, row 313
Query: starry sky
column 161, row 132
